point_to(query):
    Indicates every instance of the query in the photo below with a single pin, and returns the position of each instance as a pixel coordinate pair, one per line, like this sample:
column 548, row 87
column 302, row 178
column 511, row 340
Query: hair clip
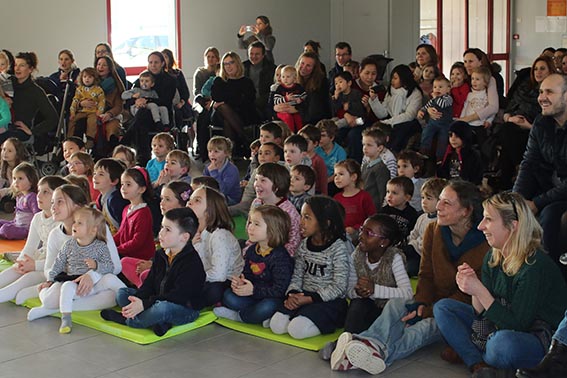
column 185, row 195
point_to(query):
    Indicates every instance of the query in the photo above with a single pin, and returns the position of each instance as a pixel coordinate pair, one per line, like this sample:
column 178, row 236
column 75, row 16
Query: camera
column 249, row 28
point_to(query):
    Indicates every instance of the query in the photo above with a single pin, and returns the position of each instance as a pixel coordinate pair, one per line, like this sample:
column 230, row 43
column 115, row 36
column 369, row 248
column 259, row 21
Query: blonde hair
column 239, row 67
column 524, row 239
column 87, row 161
column 82, row 182
column 484, row 73
column 95, row 219
column 291, row 69
column 165, row 138
column 221, row 143
column 182, row 158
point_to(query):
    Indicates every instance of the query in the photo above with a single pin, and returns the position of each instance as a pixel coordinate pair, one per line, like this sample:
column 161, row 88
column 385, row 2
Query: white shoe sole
column 362, row 356
column 338, row 355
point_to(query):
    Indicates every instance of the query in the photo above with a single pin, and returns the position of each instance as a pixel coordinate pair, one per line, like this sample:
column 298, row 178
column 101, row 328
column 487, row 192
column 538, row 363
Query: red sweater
column 318, row 165
column 459, row 95
column 135, row 237
column 357, row 208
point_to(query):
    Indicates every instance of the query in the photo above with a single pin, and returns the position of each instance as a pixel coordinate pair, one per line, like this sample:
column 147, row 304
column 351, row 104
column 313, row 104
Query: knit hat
column 463, row 130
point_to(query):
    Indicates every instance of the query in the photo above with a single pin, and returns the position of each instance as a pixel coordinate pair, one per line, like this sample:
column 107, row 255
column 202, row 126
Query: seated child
column 162, row 144
column 88, row 89
column 160, row 114
column 269, row 152
column 430, row 192
column 86, row 251
column 374, row 172
column 410, row 164
column 106, row 179
column 347, row 100
column 125, row 154
column 135, row 237
column 357, row 203
column 24, row 190
column 71, row 145
column 82, row 182
column 13, row 153
column 173, row 195
column 477, row 101
column 460, row 87
column 254, row 295
column 176, row 168
column 82, row 164
column 254, row 148
column 218, row 248
column 429, row 73
column 399, row 191
column 198, row 181
column 461, row 159
column 222, row 169
column 302, row 181
column 378, row 149
column 295, row 151
column 174, row 284
column 330, row 151
column 313, row 135
column 441, row 101
column 272, row 188
column 315, row 300
column 292, row 93
column 27, row 271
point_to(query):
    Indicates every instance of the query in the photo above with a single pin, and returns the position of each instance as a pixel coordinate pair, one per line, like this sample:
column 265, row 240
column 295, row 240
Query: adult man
column 261, row 72
column 343, row 54
column 542, row 178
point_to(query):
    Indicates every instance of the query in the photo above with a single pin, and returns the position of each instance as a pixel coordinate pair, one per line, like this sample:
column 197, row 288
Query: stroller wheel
column 48, row 168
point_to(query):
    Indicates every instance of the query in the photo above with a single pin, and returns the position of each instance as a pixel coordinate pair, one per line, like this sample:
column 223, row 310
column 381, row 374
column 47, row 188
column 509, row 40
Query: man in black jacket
column 261, row 72
column 542, row 178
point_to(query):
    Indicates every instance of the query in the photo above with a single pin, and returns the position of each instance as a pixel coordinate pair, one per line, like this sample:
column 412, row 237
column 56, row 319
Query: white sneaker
column 338, row 358
column 364, row 357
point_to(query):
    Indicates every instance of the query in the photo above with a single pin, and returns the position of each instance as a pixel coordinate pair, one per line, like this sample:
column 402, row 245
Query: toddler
column 477, row 99
column 292, row 93
column 441, row 101
column 160, row 114
column 86, row 251
column 222, row 169
column 88, row 89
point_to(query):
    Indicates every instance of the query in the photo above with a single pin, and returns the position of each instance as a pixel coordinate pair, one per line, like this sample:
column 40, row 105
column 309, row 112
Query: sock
column 40, row 312
column 113, row 316
column 279, row 323
column 302, row 327
column 161, row 329
column 227, row 313
column 266, row 323
column 66, row 323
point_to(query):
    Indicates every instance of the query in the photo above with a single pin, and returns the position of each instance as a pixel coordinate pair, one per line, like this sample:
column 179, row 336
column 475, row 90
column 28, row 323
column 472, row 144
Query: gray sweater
column 71, row 258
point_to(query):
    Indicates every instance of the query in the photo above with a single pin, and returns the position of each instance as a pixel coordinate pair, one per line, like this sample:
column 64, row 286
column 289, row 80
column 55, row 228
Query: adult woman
column 519, row 115
column 317, row 104
column 400, row 106
column 103, row 49
column 234, row 95
column 165, row 86
column 365, row 84
column 406, row 326
column 424, row 54
column 67, row 71
column 202, row 91
column 314, row 46
column 33, row 112
column 521, row 291
column 11, row 61
column 172, row 69
column 262, row 32
column 95, row 291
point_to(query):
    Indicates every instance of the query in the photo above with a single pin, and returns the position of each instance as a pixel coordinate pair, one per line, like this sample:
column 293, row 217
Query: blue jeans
column 561, row 333
column 505, row 349
column 159, row 312
column 393, row 338
column 253, row 311
column 441, row 129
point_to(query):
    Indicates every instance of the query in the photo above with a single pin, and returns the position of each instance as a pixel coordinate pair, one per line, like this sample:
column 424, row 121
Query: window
column 136, row 28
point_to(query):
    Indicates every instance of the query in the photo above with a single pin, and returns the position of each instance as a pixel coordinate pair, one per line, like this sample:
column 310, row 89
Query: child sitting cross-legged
column 222, row 169
column 254, row 295
column 302, row 181
column 398, row 194
column 174, row 284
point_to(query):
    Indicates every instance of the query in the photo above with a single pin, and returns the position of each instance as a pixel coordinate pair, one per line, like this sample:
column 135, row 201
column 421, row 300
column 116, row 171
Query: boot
column 554, row 364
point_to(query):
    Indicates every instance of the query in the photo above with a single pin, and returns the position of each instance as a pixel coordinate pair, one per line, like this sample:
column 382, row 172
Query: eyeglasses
column 72, row 164
column 228, row 63
column 370, row 233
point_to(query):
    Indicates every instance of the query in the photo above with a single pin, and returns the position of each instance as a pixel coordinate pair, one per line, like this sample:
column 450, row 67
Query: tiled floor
column 36, row 349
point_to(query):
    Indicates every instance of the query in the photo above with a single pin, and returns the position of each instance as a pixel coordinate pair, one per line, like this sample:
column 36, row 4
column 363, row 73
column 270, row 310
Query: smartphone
column 249, row 28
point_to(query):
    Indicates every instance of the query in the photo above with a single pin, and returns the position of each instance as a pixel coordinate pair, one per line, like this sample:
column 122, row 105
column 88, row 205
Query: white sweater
column 221, row 255
column 36, row 243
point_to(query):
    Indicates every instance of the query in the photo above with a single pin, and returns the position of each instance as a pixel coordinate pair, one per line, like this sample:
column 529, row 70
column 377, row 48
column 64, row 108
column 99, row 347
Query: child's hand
column 243, row 183
column 134, row 308
column 420, row 114
column 136, row 95
column 85, row 285
column 487, row 124
column 140, row 103
column 237, row 281
column 296, row 300
column 27, row 264
column 163, row 178
column 91, row 263
column 143, row 265
column 364, row 287
column 44, row 285
column 245, row 289
column 434, row 114
column 72, row 117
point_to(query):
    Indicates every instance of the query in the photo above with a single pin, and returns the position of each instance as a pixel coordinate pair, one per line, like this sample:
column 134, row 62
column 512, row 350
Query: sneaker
column 338, row 357
column 364, row 357
column 327, row 350
column 563, row 259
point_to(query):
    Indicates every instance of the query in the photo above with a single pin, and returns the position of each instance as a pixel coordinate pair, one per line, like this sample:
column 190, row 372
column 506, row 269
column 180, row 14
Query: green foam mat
column 5, row 264
column 413, row 282
column 93, row 320
column 240, row 227
column 312, row 343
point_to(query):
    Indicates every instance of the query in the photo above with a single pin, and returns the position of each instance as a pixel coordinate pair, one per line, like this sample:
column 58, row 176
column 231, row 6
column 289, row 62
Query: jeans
column 393, row 338
column 561, row 333
column 251, row 310
column 441, row 129
column 505, row 349
column 159, row 312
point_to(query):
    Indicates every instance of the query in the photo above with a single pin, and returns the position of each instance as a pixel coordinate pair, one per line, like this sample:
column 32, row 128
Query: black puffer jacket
column 543, row 172
column 523, row 100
